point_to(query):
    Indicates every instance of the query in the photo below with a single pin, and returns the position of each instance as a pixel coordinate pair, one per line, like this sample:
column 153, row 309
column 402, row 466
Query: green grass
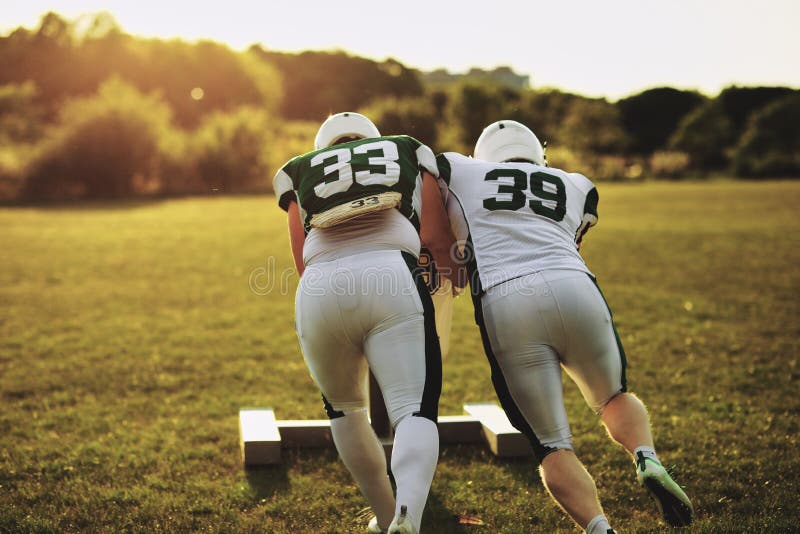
column 130, row 337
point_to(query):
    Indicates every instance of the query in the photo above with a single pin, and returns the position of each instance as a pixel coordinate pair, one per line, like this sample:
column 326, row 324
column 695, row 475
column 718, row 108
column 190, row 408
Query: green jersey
column 355, row 177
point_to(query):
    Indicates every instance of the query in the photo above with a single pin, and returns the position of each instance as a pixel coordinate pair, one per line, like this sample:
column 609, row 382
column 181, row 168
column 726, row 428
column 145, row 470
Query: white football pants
column 532, row 327
column 367, row 311
column 370, row 311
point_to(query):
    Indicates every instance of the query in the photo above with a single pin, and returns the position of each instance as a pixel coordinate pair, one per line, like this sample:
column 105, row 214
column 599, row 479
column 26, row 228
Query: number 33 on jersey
column 337, row 183
column 519, row 218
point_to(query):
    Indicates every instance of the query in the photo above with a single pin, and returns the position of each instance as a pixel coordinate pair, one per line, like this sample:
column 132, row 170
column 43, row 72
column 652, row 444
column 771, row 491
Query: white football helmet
column 347, row 124
column 509, row 140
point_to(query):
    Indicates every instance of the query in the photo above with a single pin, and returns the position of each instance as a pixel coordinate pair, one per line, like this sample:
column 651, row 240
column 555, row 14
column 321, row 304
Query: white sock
column 598, row 525
column 647, row 452
column 414, row 457
column 362, row 454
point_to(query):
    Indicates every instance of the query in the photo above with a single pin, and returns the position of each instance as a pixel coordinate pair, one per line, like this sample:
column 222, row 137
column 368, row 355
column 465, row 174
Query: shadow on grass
column 266, row 481
column 478, row 509
column 446, row 522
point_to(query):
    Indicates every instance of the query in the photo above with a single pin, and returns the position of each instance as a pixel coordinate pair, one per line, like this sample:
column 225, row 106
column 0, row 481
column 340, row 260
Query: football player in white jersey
column 356, row 205
column 539, row 310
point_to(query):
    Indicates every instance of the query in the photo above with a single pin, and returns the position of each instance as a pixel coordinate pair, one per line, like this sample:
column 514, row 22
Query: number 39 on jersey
column 518, row 217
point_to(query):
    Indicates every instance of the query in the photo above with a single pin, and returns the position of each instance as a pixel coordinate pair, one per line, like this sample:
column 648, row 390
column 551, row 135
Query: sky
column 611, row 48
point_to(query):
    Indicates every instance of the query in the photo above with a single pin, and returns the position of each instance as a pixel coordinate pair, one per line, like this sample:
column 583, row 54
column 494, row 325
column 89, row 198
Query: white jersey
column 519, row 218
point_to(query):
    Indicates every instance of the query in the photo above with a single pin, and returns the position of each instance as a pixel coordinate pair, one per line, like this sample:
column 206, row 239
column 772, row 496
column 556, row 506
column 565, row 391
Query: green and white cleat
column 675, row 506
column 373, row 527
column 402, row 523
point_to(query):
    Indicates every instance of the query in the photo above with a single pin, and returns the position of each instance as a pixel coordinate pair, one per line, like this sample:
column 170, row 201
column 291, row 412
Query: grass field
column 130, row 336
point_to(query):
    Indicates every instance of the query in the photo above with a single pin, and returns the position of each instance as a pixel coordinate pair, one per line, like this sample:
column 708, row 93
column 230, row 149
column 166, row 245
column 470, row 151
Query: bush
column 121, row 143
column 614, row 168
column 287, row 141
column 20, row 117
column 12, row 162
column 237, row 152
column 566, row 159
column 21, row 125
column 593, row 166
column 105, row 146
column 228, row 152
column 669, row 164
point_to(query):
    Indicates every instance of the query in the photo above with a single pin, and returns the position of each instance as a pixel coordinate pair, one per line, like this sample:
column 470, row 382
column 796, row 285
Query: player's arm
column 435, row 231
column 287, row 200
column 297, row 236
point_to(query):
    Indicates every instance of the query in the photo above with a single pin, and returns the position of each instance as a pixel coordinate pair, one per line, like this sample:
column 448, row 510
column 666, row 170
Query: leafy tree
column 770, row 145
column 439, row 100
column 739, row 102
column 710, row 132
column 201, row 78
column 544, row 112
column 410, row 116
column 317, row 84
column 704, row 135
column 44, row 57
column 593, row 125
column 474, row 106
column 66, row 59
column 650, row 117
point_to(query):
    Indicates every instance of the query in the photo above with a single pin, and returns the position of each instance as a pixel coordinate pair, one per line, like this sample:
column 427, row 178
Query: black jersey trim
column 501, row 388
column 429, row 406
column 286, row 199
column 622, row 357
column 444, row 168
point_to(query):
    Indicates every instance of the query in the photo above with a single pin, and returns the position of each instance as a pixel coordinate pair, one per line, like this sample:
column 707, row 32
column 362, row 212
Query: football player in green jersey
column 356, row 206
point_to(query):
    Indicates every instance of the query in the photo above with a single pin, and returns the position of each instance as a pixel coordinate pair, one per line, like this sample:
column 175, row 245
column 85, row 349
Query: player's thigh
column 396, row 356
column 402, row 348
column 594, row 358
column 335, row 362
column 519, row 330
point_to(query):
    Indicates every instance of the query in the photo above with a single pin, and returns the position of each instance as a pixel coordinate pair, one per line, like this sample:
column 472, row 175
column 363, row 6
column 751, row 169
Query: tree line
column 89, row 111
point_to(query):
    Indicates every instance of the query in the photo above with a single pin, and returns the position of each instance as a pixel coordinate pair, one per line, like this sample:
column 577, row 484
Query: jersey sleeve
column 458, row 221
column 455, row 211
column 589, row 217
column 444, row 168
column 426, row 159
column 284, row 189
column 590, row 206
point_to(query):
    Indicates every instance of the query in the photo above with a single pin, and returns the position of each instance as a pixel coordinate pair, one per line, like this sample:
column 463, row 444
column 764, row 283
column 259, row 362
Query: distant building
column 499, row 76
